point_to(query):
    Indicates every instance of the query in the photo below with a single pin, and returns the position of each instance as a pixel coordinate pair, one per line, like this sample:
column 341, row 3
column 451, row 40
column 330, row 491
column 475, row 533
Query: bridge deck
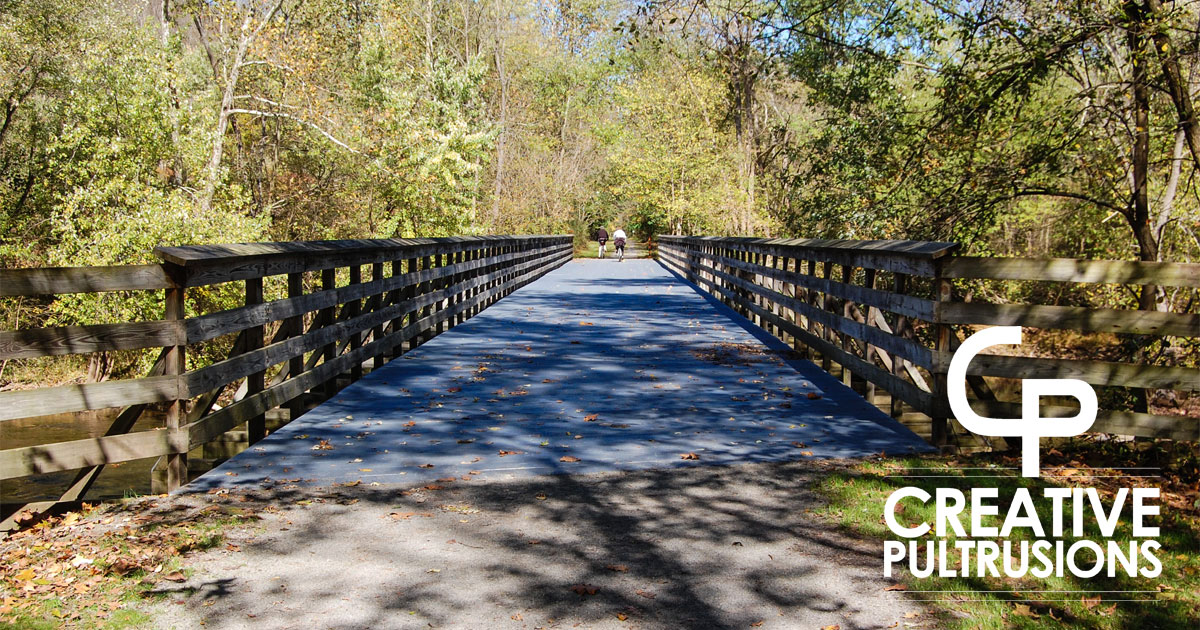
column 621, row 365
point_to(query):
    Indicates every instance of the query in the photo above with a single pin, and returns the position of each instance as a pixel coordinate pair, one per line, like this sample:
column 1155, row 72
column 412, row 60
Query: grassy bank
column 856, row 498
column 92, row 568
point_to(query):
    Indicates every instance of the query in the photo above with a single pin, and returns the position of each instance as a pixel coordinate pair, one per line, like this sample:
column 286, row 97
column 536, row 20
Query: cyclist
column 619, row 243
column 602, row 236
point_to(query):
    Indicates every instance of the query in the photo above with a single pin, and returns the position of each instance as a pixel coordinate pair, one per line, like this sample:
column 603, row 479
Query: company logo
column 1030, row 427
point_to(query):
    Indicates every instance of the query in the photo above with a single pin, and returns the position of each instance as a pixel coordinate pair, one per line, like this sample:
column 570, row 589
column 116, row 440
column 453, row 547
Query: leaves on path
column 689, row 456
column 504, row 453
column 570, row 459
column 585, row 589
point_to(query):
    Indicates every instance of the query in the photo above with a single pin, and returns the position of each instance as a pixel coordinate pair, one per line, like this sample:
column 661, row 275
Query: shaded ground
column 621, row 366
column 582, row 454
column 707, row 547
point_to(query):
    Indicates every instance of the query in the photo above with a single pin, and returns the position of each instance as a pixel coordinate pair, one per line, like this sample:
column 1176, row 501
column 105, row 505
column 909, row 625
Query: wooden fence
column 413, row 290
column 888, row 314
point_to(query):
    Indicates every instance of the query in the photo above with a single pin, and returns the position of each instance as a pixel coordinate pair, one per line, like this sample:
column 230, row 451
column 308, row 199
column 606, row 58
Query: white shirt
column 619, row 234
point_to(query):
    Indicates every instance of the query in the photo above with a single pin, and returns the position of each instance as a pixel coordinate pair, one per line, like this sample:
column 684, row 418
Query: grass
column 93, row 568
column 855, row 502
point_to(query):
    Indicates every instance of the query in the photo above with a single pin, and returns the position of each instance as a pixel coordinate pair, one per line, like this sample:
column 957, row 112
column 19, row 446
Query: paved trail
column 434, row 492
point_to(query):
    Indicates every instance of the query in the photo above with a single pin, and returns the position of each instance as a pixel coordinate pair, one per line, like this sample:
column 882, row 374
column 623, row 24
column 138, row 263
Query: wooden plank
column 1094, row 372
column 1107, row 420
column 58, row 341
column 89, row 396
column 58, row 280
column 919, row 264
column 216, row 264
column 1078, row 318
column 1073, row 270
column 919, row 249
column 111, row 449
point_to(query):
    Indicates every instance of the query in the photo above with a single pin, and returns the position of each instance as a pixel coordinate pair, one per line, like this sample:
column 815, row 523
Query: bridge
column 406, row 360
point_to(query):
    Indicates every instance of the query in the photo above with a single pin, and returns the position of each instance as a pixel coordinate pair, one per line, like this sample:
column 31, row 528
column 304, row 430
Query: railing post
column 379, row 303
column 295, row 326
column 175, row 365
column 256, row 427
column 868, row 318
column 826, row 301
column 847, row 342
column 899, row 286
column 328, row 315
column 939, row 433
column 398, row 296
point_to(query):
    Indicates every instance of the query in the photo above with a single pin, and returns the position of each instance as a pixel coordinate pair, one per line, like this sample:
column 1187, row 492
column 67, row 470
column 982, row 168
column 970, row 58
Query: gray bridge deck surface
column 622, row 365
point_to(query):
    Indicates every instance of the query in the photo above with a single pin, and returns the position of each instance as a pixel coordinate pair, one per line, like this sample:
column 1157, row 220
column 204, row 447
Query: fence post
column 175, row 365
column 295, row 325
column 256, row 427
column 939, row 433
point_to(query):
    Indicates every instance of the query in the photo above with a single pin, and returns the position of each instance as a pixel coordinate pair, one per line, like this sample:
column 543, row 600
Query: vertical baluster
column 378, row 303
column 256, row 427
column 295, row 327
column 899, row 287
column 328, row 316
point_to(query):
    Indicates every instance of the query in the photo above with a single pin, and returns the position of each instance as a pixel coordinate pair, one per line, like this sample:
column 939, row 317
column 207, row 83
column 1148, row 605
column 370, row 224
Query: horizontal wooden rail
column 1073, row 270
column 433, row 285
column 59, row 280
column 825, row 298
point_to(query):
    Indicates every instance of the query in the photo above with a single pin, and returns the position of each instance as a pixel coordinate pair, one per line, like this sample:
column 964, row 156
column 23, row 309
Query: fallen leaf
column 912, row 615
column 175, row 576
column 585, row 589
column 591, row 418
column 622, row 616
column 813, row 395
column 896, row 587
column 757, row 624
column 620, row 568
column 568, row 458
column 503, row 453
column 646, row 594
column 1090, row 602
column 831, row 627
column 425, row 466
column 689, row 456
column 541, row 496
column 1023, row 610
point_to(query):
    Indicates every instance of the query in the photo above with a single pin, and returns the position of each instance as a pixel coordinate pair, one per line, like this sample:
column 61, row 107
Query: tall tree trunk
column 246, row 38
column 1177, row 85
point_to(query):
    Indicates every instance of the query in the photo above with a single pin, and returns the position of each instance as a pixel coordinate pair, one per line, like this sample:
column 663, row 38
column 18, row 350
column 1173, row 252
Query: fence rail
column 333, row 319
column 887, row 313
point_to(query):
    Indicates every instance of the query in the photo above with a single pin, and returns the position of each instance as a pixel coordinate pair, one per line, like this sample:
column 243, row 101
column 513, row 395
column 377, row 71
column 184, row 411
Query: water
column 116, row 480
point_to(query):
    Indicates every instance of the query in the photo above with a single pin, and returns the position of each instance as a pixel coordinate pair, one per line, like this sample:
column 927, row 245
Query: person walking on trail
column 602, row 236
column 619, row 243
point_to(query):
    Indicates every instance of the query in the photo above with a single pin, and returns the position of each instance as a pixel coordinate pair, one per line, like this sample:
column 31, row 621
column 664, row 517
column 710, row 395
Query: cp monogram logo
column 1030, row 427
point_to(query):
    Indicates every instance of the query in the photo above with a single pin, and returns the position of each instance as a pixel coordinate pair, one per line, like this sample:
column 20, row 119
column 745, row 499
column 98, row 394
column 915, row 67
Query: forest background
column 1025, row 127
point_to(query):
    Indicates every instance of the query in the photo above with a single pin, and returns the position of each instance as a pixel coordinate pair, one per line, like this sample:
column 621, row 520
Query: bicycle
column 620, row 246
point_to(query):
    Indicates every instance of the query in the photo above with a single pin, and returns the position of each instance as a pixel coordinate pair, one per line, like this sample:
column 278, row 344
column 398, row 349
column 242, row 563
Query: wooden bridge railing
column 332, row 320
column 888, row 314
